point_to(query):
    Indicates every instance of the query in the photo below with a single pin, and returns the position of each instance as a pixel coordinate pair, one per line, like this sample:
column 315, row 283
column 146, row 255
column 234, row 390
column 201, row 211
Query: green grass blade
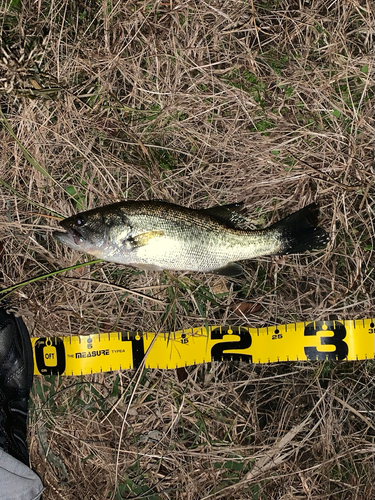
column 10, row 289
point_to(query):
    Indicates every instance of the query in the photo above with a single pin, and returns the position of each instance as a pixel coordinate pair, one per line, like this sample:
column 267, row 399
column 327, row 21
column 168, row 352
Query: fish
column 158, row 235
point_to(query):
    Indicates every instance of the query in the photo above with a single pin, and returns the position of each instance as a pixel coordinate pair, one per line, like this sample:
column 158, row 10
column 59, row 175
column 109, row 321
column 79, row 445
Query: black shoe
column 16, row 378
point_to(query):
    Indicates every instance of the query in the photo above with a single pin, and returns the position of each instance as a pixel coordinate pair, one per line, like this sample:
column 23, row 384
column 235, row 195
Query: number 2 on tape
column 244, row 342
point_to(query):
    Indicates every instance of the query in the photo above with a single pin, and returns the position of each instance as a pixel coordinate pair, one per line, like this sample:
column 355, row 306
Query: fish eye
column 81, row 220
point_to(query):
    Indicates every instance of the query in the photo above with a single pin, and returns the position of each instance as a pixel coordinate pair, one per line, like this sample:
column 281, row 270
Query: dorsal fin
column 227, row 214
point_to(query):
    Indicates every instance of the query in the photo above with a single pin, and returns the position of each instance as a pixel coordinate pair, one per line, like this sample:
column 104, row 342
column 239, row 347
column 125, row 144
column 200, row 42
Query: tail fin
column 300, row 232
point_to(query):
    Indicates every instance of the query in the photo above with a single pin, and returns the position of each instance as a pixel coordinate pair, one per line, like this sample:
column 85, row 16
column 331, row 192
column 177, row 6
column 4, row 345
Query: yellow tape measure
column 102, row 352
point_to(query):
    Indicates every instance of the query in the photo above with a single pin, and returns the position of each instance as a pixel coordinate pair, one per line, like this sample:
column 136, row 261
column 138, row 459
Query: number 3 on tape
column 337, row 350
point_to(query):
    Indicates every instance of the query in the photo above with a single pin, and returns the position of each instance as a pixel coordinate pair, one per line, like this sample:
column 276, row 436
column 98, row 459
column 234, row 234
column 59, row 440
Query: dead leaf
column 245, row 308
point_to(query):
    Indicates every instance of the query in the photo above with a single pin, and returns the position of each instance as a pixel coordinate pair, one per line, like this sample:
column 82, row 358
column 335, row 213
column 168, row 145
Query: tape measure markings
column 101, row 352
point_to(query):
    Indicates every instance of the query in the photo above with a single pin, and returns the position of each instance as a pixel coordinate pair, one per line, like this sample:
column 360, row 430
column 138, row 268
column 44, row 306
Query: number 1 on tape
column 102, row 352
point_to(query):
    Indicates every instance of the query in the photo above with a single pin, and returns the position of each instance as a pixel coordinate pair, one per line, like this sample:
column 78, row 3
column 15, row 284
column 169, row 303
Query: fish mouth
column 71, row 236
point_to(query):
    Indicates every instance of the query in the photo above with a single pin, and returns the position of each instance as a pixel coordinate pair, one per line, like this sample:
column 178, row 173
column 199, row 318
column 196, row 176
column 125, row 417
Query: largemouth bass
column 159, row 235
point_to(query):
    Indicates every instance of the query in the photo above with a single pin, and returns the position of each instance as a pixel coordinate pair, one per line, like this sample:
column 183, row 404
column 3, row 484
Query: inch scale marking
column 350, row 340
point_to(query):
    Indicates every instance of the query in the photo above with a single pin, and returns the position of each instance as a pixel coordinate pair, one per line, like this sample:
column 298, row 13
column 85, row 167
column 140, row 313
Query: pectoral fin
column 231, row 269
column 142, row 239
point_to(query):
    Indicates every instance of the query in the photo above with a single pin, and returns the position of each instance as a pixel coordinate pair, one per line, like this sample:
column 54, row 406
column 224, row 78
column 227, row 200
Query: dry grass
column 198, row 103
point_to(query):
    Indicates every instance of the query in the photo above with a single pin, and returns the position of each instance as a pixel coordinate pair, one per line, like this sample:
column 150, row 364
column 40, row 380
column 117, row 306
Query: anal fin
column 231, row 269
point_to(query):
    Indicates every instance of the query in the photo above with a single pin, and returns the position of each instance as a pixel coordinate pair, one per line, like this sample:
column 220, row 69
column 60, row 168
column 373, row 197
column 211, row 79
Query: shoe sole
column 24, row 337
column 26, row 349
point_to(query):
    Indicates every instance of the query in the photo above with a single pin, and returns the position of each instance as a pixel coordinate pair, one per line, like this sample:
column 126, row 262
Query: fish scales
column 160, row 235
column 194, row 239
